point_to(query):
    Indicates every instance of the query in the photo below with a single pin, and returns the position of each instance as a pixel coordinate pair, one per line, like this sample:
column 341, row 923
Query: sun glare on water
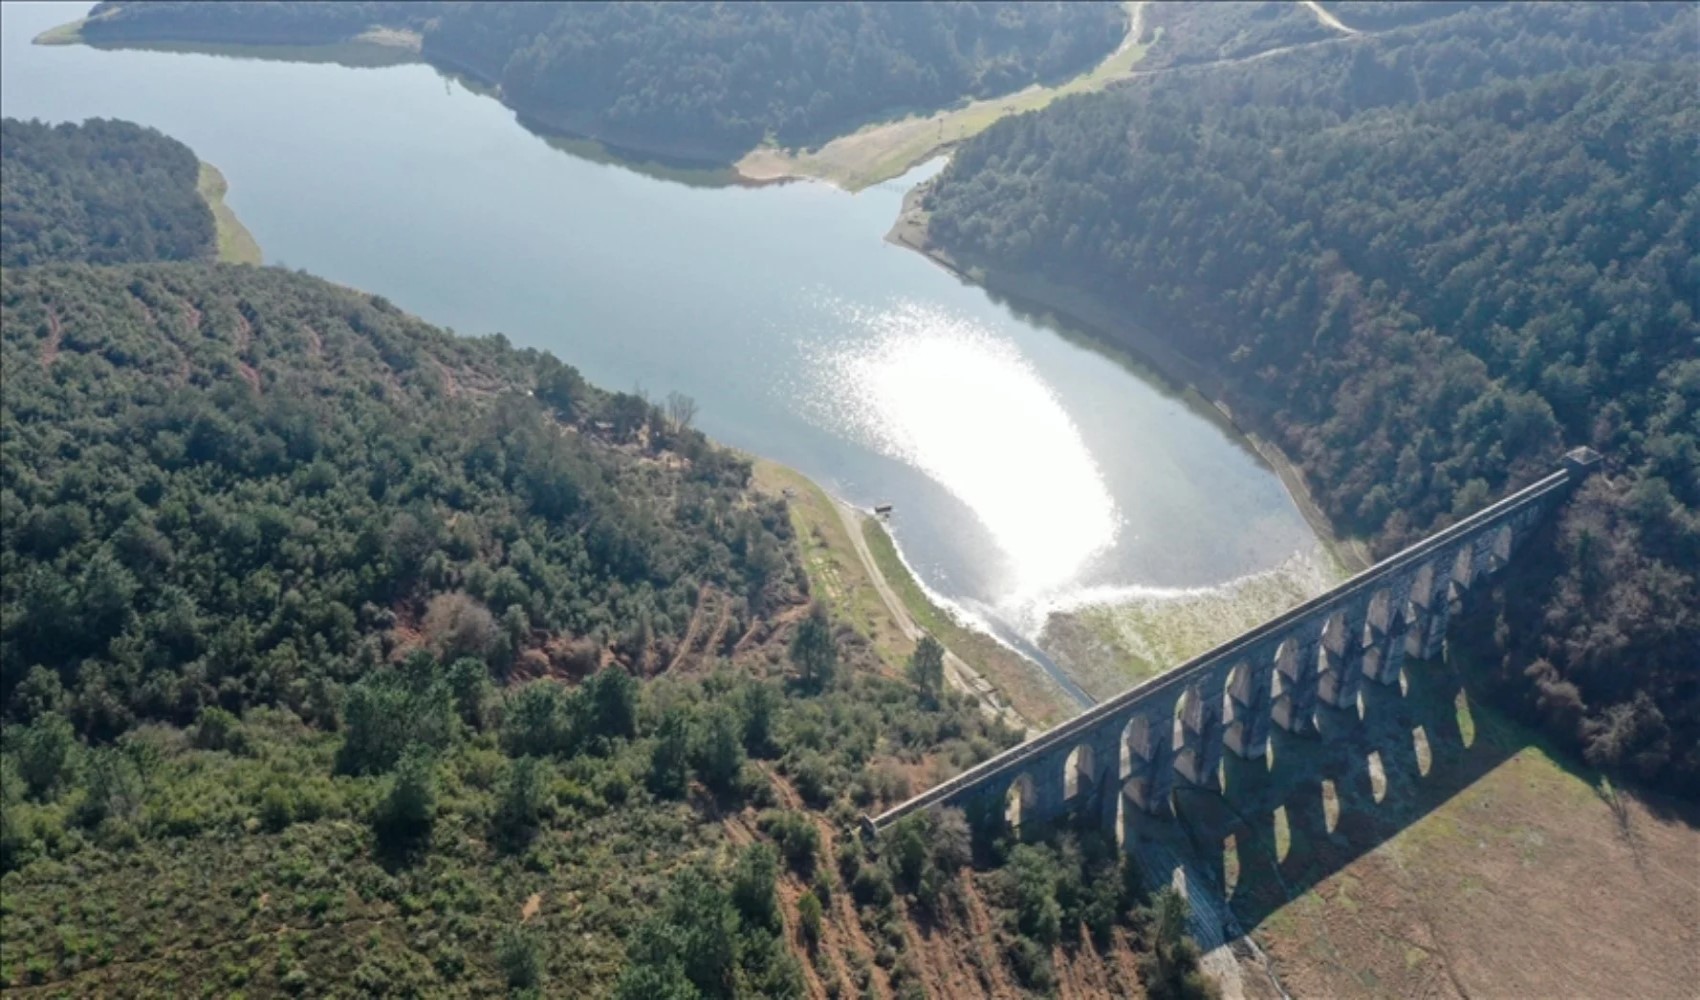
column 966, row 408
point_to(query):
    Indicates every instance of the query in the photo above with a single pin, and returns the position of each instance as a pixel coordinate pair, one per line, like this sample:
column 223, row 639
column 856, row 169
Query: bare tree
column 681, row 410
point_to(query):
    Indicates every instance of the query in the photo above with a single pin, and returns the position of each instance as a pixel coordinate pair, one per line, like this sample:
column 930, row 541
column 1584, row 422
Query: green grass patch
column 1020, row 681
column 836, row 575
column 236, row 245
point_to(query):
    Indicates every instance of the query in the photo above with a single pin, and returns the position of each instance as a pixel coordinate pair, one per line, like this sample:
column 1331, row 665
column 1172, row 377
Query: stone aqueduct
column 1174, row 727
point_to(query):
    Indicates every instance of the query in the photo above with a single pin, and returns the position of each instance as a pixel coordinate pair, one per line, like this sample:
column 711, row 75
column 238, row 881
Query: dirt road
column 959, row 674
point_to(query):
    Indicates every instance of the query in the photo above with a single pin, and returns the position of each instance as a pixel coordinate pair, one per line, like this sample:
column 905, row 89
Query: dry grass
column 64, row 34
column 1491, row 869
column 836, row 576
column 1108, row 648
column 236, row 245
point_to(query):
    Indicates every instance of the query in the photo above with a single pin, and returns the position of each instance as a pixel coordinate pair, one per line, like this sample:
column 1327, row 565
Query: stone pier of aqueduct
column 1175, row 727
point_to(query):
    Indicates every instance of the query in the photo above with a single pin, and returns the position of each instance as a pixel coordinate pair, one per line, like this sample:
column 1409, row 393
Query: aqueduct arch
column 1174, row 727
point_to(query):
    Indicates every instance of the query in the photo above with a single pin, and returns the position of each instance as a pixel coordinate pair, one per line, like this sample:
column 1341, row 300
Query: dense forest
column 703, row 80
column 1194, row 33
column 1427, row 260
column 291, row 584
column 101, row 192
column 224, row 490
column 342, row 656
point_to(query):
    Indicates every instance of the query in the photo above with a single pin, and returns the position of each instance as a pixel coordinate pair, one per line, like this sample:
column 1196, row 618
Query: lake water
column 1027, row 471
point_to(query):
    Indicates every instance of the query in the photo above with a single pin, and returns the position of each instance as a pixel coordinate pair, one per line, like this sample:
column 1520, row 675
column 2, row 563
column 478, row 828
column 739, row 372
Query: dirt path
column 959, row 674
column 691, row 630
column 982, row 929
column 1329, row 20
column 842, row 934
column 55, row 332
column 450, row 386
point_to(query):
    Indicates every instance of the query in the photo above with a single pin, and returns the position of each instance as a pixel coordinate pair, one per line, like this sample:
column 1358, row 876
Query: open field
column 236, row 245
column 1439, row 849
column 887, row 149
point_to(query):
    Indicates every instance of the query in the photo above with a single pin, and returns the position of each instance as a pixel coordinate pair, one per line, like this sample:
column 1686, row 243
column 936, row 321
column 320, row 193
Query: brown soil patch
column 55, row 332
column 191, row 319
column 704, row 597
column 533, row 903
column 451, row 388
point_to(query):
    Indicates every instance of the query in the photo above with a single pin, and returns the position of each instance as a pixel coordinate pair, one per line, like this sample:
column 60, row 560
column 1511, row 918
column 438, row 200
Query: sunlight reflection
column 966, row 408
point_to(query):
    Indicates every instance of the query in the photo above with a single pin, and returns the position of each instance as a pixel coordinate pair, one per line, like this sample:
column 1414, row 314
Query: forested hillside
column 223, row 488
column 342, row 656
column 1430, row 260
column 102, row 192
column 703, row 80
column 290, row 580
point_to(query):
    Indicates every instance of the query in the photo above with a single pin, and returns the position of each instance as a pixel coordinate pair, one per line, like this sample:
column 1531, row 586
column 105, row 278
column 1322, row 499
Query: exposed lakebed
column 1029, row 473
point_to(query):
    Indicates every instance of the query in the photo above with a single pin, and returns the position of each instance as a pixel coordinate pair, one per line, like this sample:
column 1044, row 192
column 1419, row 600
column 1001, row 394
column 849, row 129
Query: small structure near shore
column 882, row 509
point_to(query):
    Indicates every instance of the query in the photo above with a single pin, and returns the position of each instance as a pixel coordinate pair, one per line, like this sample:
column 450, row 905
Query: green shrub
column 809, row 913
column 217, row 729
column 521, row 803
column 45, row 754
column 277, row 807
column 799, row 840
column 720, row 750
column 871, row 886
column 408, row 809
column 1032, row 963
column 669, row 766
column 520, row 959
column 755, row 891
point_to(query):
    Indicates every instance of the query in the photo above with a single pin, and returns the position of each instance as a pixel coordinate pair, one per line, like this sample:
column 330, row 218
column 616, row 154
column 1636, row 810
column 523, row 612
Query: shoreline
column 1107, row 332
column 873, row 151
column 853, row 568
column 878, row 151
column 235, row 244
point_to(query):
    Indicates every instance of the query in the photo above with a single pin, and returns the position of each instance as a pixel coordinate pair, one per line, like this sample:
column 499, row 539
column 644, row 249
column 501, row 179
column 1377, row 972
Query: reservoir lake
column 1028, row 471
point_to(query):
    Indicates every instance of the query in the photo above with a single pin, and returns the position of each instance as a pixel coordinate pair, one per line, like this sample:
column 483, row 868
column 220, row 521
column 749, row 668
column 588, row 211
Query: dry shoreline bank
column 236, row 245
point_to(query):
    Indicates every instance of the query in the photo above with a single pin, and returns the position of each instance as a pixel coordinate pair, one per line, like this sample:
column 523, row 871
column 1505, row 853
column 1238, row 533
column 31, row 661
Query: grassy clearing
column 886, row 150
column 836, row 575
column 236, row 245
column 1023, row 684
column 1497, row 872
